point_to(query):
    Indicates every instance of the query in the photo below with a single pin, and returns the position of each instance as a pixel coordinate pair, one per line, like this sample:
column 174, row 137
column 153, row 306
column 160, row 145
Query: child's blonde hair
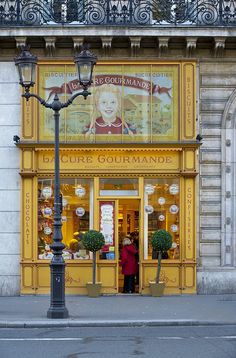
column 110, row 88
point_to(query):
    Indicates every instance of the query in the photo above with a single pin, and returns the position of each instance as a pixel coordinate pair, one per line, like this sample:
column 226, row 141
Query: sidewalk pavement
column 120, row 310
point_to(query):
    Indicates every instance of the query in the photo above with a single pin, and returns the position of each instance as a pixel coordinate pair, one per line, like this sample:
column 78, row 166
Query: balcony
column 145, row 13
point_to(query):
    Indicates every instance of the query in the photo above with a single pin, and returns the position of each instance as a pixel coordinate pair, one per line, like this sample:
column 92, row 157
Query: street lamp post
column 26, row 65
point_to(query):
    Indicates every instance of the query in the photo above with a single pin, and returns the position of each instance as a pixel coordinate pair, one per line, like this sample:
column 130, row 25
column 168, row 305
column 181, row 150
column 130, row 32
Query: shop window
column 76, row 215
column 118, row 187
column 161, row 211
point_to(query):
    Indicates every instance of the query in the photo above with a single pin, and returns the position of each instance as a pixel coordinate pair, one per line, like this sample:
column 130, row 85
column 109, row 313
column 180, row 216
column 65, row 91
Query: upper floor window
column 128, row 103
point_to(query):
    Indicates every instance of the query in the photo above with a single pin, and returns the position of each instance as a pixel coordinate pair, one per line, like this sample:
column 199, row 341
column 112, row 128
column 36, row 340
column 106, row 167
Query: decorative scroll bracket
column 135, row 45
column 106, row 45
column 191, row 45
column 78, row 43
column 50, row 46
column 163, row 46
column 219, row 46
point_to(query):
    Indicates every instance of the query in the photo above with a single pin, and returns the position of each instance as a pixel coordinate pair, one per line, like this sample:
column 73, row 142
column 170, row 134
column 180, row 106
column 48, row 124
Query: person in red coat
column 129, row 265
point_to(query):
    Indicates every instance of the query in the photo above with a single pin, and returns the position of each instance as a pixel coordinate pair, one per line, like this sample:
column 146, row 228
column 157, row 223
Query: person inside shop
column 129, row 265
column 134, row 237
column 122, row 235
column 75, row 245
column 108, row 105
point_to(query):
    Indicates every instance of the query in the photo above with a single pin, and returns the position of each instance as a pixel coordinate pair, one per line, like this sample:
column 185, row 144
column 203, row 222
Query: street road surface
column 120, row 342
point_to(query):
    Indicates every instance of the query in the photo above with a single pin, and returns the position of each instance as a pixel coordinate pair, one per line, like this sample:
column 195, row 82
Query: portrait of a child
column 108, row 107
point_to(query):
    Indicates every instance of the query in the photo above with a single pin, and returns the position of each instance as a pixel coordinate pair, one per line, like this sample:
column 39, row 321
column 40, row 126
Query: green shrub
column 93, row 240
column 161, row 242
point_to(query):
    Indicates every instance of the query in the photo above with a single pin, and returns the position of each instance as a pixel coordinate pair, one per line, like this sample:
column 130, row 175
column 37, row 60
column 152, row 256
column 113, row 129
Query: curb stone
column 115, row 323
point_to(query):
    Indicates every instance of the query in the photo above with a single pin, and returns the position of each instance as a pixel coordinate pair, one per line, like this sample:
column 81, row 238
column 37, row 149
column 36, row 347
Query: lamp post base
column 57, row 308
column 60, row 312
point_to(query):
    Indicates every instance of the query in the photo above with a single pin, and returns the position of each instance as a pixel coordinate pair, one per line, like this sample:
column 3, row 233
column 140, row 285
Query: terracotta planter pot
column 94, row 289
column 157, row 289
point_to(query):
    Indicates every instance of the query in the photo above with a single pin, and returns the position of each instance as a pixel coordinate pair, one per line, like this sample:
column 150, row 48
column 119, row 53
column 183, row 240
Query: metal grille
column 118, row 12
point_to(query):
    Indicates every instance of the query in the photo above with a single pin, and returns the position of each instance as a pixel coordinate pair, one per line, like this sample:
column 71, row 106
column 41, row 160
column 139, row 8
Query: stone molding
column 228, row 190
column 120, row 31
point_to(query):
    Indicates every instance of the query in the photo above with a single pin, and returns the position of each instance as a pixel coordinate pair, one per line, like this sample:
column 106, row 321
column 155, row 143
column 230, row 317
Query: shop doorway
column 128, row 226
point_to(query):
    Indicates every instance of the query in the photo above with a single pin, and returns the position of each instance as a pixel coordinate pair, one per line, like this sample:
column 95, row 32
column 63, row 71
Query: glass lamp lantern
column 26, row 64
column 85, row 62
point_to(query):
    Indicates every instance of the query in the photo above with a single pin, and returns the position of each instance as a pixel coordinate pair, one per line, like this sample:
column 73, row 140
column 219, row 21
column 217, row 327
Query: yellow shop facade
column 134, row 174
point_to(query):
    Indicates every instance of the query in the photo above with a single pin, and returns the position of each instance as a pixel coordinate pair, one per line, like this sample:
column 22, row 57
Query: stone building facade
column 216, row 270
column 213, row 48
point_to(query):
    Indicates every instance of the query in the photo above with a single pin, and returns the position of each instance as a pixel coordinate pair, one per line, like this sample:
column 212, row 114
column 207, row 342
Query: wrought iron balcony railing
column 119, row 12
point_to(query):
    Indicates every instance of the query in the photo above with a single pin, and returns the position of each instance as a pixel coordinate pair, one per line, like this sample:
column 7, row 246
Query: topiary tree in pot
column 161, row 242
column 93, row 241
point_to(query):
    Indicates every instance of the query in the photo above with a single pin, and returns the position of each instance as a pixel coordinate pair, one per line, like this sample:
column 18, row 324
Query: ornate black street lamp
column 26, row 65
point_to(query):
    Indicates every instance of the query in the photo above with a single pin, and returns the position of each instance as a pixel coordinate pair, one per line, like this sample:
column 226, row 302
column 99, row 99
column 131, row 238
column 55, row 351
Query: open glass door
column 118, row 219
column 128, row 227
column 118, row 215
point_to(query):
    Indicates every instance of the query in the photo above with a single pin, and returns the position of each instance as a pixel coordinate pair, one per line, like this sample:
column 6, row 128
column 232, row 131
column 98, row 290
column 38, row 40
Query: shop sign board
column 100, row 161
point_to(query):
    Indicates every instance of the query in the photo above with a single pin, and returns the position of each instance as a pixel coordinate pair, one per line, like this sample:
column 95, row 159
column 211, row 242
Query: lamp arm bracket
column 85, row 93
column 28, row 95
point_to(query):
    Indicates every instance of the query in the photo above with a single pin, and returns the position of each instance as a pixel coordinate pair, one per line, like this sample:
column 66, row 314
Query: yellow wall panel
column 189, row 98
column 107, row 275
column 189, row 277
column 189, row 160
column 28, row 276
column 43, row 276
column 189, row 224
column 170, row 275
column 149, row 274
column 27, row 160
column 29, row 119
column 27, row 219
column 78, row 276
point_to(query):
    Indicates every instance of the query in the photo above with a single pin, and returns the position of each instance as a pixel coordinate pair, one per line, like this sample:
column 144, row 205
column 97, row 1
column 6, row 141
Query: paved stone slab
column 120, row 310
